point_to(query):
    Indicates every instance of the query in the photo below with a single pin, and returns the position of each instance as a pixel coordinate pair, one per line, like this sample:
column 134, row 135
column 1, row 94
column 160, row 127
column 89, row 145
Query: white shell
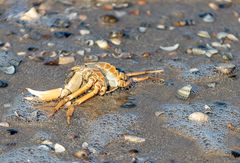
column 102, row 44
column 66, row 60
column 198, row 117
column 184, row 92
column 58, row 148
column 170, row 48
column 134, row 139
column 203, row 34
column 30, row 15
column 208, row 18
column 8, row 70
column 84, row 31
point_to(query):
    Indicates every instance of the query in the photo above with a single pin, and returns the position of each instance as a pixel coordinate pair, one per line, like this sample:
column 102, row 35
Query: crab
column 86, row 81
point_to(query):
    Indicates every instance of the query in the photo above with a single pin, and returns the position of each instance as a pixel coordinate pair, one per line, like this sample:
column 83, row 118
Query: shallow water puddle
column 211, row 136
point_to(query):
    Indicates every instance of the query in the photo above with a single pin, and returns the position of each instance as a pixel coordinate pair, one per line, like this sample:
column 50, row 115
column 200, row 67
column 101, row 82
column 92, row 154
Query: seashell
column 109, row 19
column 66, row 60
column 142, row 29
column 213, row 6
column 211, row 52
column 183, row 23
column 184, row 92
column 158, row 113
column 8, row 70
column 102, row 44
column 196, row 51
column 84, row 32
column 91, row 58
column 198, row 117
column 134, row 139
column 116, row 41
column 219, row 45
column 30, row 15
column 207, row 17
column 207, row 109
column 47, row 142
column 4, row 124
column 58, row 148
column 221, row 35
column 82, row 154
column 227, row 56
column 170, row 48
column 203, row 34
column 45, row 95
column 194, row 70
column 232, row 37
column 225, row 68
column 164, row 27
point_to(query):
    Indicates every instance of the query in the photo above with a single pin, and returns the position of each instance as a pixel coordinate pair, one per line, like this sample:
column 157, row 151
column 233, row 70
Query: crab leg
column 129, row 74
column 48, row 95
column 139, row 79
column 73, row 95
column 80, row 101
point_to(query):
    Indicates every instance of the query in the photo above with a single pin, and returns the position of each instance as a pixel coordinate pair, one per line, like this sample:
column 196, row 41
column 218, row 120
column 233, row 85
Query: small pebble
column 3, row 84
column 62, row 34
column 12, row 131
column 58, row 148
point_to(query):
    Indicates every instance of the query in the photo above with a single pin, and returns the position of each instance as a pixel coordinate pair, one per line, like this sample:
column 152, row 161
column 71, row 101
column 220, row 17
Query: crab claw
column 48, row 95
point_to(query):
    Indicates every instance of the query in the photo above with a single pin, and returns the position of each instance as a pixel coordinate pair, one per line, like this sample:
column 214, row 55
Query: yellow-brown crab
column 88, row 80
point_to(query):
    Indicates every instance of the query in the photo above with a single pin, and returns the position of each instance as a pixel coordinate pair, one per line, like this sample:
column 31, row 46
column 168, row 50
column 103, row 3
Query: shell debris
column 134, row 139
column 198, row 117
column 184, row 92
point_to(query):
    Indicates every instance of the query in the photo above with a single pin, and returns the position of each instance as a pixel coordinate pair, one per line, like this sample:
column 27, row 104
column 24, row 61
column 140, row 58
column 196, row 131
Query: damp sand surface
column 103, row 120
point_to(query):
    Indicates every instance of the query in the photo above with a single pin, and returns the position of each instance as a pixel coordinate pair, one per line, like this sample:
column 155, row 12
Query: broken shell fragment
column 164, row 27
column 8, row 70
column 184, row 92
column 219, row 45
column 91, row 58
column 102, row 44
column 82, row 154
column 170, row 48
column 30, row 15
column 225, row 68
column 66, row 60
column 207, row 17
column 45, row 95
column 203, row 34
column 196, row 51
column 198, row 117
column 134, row 139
